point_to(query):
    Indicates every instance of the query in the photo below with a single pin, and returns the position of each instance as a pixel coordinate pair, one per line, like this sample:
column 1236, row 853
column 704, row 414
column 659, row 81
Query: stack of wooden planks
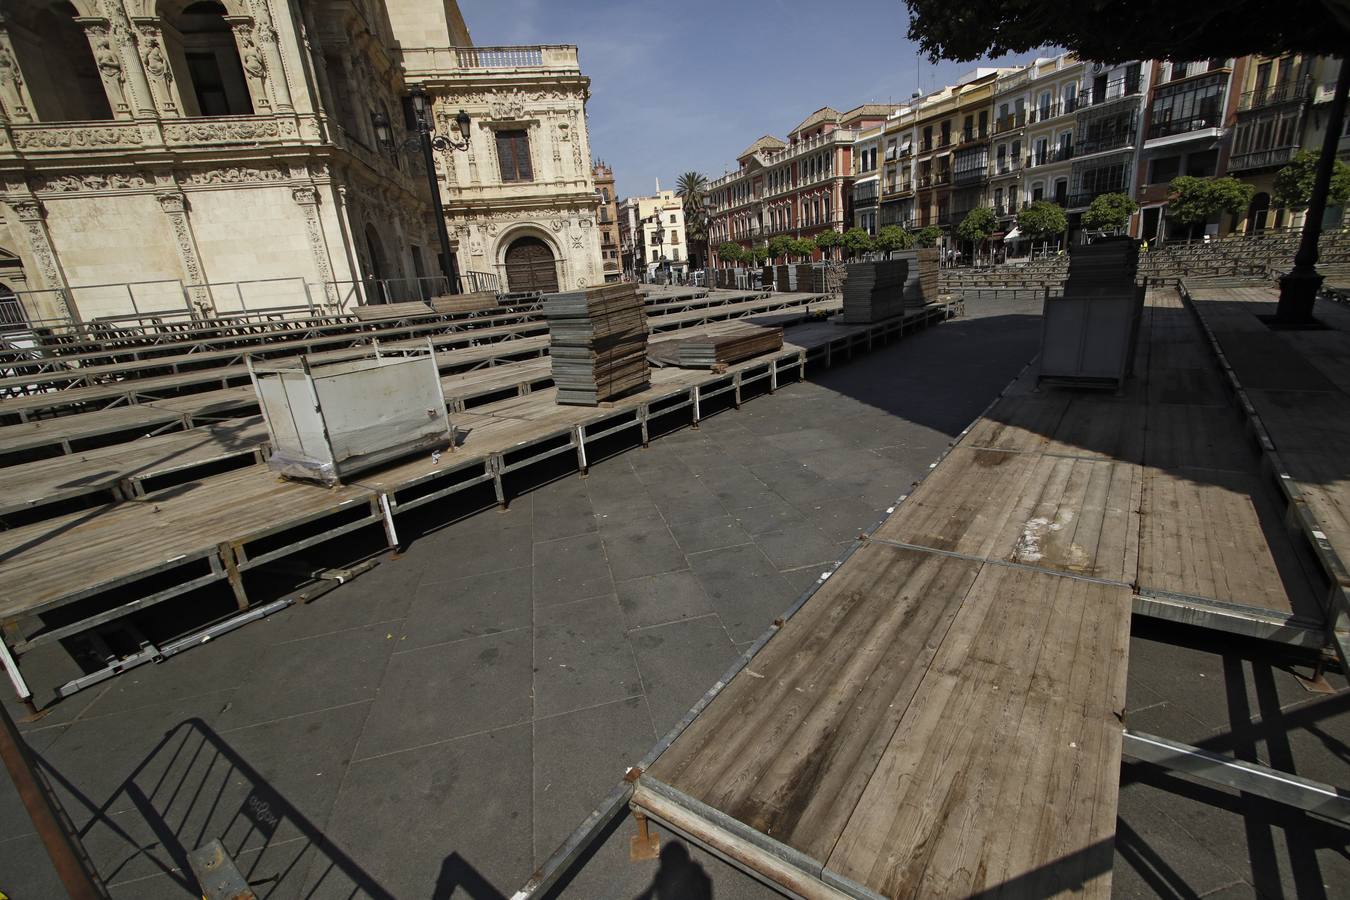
column 874, row 291
column 1105, row 266
column 811, row 279
column 711, row 351
column 786, row 279
column 477, row 302
column 598, row 343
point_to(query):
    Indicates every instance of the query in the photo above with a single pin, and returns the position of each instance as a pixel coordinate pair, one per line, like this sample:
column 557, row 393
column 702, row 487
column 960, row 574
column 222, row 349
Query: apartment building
column 652, row 236
column 607, row 221
column 1281, row 109
column 866, row 179
column 1034, row 122
column 798, row 187
column 1192, row 107
column 952, row 127
column 896, row 180
column 1107, row 135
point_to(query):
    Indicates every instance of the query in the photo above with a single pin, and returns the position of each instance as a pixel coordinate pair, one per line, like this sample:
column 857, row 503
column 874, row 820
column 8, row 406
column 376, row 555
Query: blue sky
column 688, row 84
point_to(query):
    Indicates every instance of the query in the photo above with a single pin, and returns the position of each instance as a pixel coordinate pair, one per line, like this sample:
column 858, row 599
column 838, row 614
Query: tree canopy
column 802, row 248
column 1042, row 220
column 893, row 237
column 1192, row 200
column 978, row 224
column 729, row 251
column 1109, row 212
column 779, row 245
column 1115, row 31
column 828, row 238
column 928, row 236
column 857, row 241
column 760, row 255
column 1294, row 183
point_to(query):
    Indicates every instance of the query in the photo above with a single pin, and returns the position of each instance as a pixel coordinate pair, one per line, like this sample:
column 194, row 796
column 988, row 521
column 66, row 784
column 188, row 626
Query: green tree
column 760, row 255
column 828, row 240
column 729, row 252
column 1294, row 183
column 692, row 188
column 779, row 246
column 893, row 237
column 1109, row 212
column 978, row 224
column 802, row 248
column 1042, row 221
column 856, row 242
column 1194, row 201
column 928, row 236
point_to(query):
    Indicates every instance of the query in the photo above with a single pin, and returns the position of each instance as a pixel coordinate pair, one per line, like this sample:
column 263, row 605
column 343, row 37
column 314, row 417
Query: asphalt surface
column 437, row 726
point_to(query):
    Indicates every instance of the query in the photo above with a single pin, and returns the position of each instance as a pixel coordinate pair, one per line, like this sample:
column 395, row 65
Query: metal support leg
column 698, row 414
column 736, row 380
column 773, row 375
column 387, row 513
column 645, row 844
column 16, row 678
column 644, row 413
column 496, row 465
column 581, row 451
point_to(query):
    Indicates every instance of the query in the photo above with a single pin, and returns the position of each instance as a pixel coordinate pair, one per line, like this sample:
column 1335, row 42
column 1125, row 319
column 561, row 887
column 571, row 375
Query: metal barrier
column 167, row 298
column 363, row 292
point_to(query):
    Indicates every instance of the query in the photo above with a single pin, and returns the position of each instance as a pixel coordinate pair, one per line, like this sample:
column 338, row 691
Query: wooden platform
column 135, row 554
column 942, row 715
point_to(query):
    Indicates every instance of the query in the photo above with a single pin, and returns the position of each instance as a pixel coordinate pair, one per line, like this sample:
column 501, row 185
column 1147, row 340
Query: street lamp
column 427, row 138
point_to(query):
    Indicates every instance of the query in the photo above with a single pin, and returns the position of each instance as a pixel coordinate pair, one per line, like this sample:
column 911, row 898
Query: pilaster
column 265, row 34
column 251, row 59
column 158, row 71
column 175, row 206
column 17, row 102
column 307, row 196
column 32, row 221
column 110, row 65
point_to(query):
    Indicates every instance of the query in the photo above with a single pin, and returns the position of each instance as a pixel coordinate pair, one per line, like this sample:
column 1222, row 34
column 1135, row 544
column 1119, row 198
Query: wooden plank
column 789, row 745
column 1002, row 772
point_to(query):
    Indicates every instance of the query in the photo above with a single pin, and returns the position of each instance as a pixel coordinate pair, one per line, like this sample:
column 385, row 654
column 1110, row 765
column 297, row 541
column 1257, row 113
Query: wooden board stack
column 787, row 278
column 811, row 279
column 598, row 343
column 708, row 351
column 1107, row 265
column 876, row 290
column 480, row 301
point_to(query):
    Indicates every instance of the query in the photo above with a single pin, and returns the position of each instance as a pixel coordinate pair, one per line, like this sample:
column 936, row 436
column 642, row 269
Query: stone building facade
column 608, row 218
column 213, row 155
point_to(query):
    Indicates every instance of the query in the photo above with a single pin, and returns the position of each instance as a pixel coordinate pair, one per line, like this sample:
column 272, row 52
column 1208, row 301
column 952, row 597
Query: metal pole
column 68, row 857
column 1298, row 289
column 437, row 209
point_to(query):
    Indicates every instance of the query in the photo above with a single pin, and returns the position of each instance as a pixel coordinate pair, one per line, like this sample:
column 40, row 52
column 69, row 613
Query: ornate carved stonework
column 508, row 106
column 223, row 132
column 104, row 181
column 12, row 92
column 308, row 198
column 230, row 175
column 61, row 138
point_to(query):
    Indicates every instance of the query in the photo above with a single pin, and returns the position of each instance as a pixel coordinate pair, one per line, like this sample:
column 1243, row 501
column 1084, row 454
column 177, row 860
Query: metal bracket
column 1262, row 781
column 645, row 844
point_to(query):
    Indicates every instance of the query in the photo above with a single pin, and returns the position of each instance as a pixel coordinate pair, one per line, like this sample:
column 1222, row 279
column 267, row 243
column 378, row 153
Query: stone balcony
column 42, row 139
column 434, row 63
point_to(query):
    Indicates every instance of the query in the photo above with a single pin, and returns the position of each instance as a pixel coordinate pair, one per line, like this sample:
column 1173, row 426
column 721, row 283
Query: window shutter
column 505, row 156
column 523, row 169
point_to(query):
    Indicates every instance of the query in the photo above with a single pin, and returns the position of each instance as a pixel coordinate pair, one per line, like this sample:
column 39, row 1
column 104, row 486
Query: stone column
column 33, row 223
column 18, row 103
column 308, row 199
column 159, row 72
column 110, row 65
column 251, row 59
column 265, row 34
column 174, row 204
column 124, row 44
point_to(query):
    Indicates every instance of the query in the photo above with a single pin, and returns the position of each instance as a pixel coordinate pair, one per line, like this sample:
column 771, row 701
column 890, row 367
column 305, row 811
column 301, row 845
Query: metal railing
column 1260, row 159
column 1173, row 127
column 1280, row 92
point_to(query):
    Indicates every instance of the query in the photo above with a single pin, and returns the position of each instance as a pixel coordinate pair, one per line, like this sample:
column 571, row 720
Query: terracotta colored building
column 607, row 220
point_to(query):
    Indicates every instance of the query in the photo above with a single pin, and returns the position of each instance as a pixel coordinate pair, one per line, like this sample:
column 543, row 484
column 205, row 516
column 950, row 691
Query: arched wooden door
column 530, row 266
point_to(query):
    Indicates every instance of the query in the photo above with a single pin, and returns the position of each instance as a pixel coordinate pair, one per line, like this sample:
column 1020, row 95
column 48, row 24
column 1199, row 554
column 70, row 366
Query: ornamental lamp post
column 429, row 140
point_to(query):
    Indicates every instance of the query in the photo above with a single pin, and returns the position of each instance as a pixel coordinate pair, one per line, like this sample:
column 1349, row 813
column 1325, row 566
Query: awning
column 1012, row 235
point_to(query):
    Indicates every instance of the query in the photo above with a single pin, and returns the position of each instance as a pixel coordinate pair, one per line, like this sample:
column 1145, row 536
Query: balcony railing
column 1262, row 159
column 1115, row 89
column 972, row 135
column 428, row 61
column 1051, row 155
column 1005, row 166
column 1297, row 89
column 1116, row 140
column 1085, row 198
column 1053, row 110
column 971, row 176
column 1010, row 122
column 1173, row 127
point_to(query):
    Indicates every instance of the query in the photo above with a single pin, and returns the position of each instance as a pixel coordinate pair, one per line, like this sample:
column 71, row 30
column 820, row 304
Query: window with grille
column 513, row 155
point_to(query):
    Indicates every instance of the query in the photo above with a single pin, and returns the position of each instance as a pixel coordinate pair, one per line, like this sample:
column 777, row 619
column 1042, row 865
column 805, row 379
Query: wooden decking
column 210, row 529
column 943, row 715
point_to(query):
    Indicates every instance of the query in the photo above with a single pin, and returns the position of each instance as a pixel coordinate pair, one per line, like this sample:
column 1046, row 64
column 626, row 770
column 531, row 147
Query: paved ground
column 436, row 727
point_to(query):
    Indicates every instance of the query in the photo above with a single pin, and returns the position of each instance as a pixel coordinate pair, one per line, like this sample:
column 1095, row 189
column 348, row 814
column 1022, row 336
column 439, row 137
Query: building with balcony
column 896, row 179
column 866, row 179
column 1190, row 113
column 607, row 221
column 798, row 187
column 952, row 129
column 221, row 154
column 1107, row 133
column 1281, row 109
column 653, row 236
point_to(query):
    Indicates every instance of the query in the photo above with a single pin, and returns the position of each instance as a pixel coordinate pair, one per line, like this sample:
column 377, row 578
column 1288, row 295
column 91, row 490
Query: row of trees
column 852, row 243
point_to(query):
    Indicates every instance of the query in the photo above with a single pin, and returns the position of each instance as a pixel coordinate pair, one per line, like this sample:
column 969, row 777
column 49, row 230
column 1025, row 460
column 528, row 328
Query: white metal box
column 332, row 420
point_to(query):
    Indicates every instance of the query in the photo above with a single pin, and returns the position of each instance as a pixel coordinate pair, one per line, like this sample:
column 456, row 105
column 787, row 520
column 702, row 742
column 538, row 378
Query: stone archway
column 530, row 265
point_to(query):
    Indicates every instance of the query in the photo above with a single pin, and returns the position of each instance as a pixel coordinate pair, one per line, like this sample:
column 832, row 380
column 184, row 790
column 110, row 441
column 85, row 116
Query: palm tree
column 690, row 188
